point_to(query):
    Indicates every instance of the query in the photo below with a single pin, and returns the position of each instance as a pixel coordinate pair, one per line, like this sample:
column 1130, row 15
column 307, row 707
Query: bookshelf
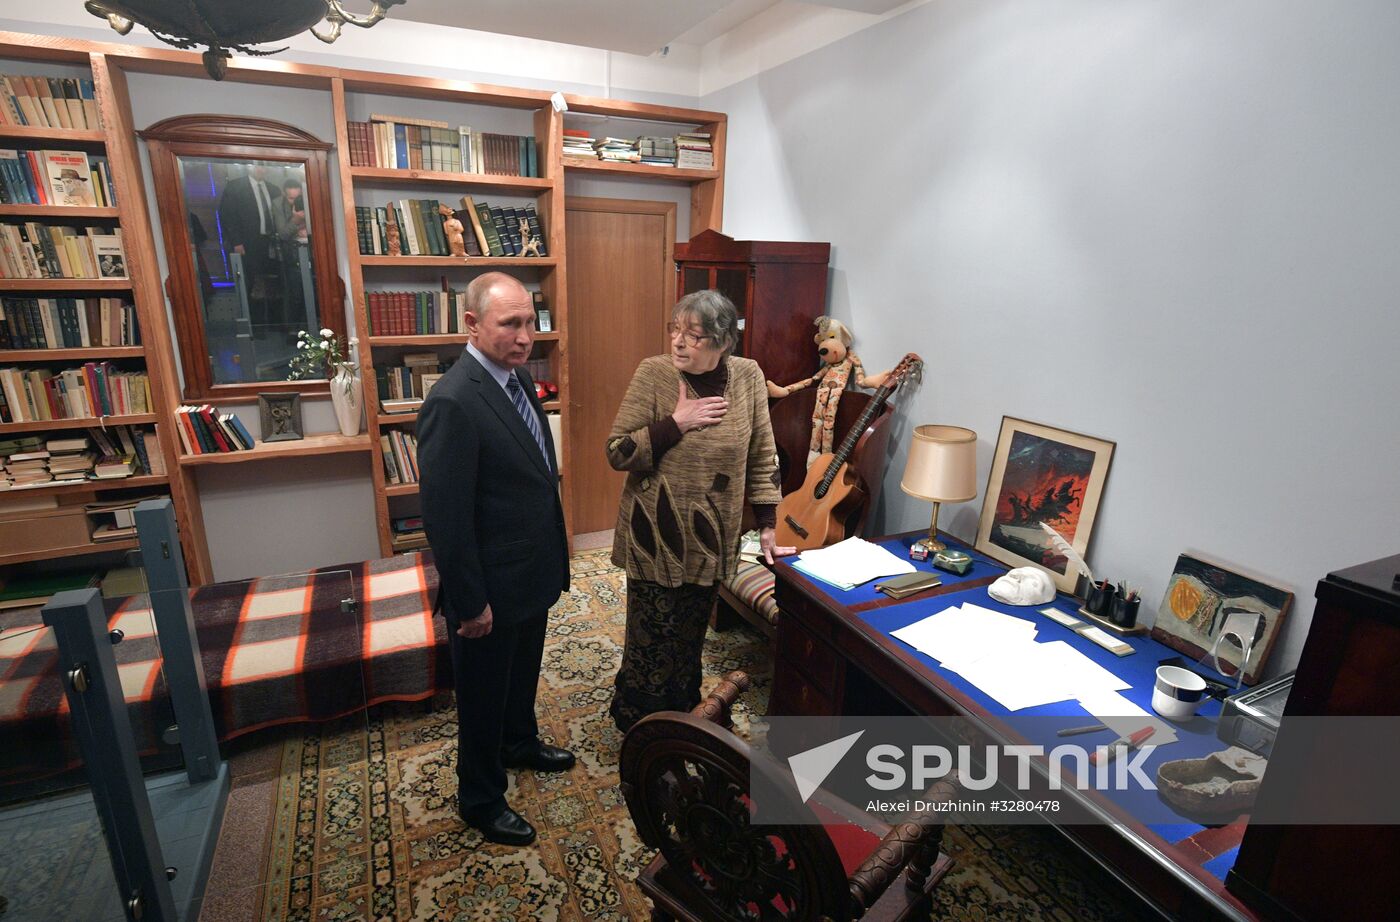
column 524, row 113
column 354, row 95
column 113, row 141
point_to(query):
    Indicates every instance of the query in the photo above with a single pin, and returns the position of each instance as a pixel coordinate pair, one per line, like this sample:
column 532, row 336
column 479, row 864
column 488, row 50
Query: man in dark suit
column 491, row 509
column 248, row 224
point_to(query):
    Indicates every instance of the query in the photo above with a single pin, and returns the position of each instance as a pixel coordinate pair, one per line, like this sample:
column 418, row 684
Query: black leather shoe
column 545, row 759
column 505, row 828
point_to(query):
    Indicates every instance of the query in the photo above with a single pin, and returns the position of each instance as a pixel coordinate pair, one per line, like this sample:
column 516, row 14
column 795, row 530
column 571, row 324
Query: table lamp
column 942, row 468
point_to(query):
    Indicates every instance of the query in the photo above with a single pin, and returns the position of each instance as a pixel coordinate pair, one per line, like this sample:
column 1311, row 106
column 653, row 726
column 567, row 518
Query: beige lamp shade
column 942, row 464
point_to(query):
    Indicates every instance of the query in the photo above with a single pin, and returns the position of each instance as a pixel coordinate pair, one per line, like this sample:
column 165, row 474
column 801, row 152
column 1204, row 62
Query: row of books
column 67, row 323
column 399, row 143
column 94, row 390
column 54, row 177
column 402, row 388
column 52, row 251
column 400, row 452
column 48, row 102
column 204, row 430
column 112, row 453
column 420, row 313
column 693, row 150
column 417, row 225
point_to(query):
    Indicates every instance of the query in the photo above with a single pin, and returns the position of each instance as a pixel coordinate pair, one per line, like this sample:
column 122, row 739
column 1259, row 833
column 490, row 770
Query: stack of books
column 657, row 151
column 400, row 143
column 26, row 463
column 48, row 102
column 578, row 143
column 67, row 323
column 96, row 389
column 54, row 177
column 617, row 150
column 70, row 458
column 42, row 251
column 204, row 430
column 400, row 452
column 408, row 534
column 695, row 151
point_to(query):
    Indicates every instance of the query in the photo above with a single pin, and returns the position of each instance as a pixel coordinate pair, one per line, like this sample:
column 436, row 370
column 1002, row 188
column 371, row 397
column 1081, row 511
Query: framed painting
column 1205, row 600
column 1042, row 475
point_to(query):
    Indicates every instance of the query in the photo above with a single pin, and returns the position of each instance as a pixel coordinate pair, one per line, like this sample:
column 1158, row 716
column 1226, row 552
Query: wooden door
column 621, row 284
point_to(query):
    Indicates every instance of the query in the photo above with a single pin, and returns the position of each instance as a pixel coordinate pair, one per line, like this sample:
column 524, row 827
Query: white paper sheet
column 1123, row 717
column 851, row 562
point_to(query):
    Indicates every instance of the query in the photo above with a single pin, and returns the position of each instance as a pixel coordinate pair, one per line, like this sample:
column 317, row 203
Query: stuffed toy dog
column 840, row 366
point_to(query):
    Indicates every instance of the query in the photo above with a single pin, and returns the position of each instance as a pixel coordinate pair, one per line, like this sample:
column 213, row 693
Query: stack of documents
column 850, row 563
column 998, row 654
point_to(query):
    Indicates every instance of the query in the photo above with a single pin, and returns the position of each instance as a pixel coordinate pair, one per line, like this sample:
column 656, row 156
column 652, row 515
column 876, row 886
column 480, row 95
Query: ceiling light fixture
column 222, row 27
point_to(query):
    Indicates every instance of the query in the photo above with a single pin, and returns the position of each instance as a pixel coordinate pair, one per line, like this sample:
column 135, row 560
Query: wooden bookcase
column 35, row 55
column 110, row 64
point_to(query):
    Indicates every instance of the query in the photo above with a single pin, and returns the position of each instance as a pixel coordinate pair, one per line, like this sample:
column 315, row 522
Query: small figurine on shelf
column 530, row 243
column 840, row 366
column 391, row 233
column 452, row 229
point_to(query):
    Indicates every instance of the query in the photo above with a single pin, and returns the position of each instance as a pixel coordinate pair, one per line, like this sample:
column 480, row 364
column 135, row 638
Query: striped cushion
column 753, row 585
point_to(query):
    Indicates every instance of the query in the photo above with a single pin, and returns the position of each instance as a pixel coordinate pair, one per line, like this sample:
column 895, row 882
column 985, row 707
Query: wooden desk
column 835, row 656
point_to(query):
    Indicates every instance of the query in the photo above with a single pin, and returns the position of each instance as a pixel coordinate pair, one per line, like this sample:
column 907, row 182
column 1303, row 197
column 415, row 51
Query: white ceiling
column 633, row 26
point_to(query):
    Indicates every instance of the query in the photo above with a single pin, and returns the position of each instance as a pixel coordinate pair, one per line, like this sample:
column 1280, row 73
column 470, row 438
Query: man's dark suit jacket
column 491, row 509
column 238, row 213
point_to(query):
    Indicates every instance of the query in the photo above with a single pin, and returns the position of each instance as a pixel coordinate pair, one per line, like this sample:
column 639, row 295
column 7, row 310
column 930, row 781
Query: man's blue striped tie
column 527, row 413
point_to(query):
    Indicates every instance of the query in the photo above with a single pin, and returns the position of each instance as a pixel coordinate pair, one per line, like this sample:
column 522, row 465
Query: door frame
column 666, row 210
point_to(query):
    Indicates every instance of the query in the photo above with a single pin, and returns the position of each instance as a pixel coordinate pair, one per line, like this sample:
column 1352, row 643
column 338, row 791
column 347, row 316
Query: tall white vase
column 346, row 397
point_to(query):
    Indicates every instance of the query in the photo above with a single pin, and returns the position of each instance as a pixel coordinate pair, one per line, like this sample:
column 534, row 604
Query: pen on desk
column 1131, row 741
column 1075, row 731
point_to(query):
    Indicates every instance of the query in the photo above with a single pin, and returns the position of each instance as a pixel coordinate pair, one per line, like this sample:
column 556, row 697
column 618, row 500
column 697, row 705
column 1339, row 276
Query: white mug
column 1177, row 693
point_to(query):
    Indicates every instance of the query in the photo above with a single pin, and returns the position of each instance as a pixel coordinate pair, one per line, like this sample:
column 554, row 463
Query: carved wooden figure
column 452, row 228
column 530, row 242
column 391, row 235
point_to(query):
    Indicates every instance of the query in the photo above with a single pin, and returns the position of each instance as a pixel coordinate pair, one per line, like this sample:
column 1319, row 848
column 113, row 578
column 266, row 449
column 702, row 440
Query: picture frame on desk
column 1200, row 597
column 1042, row 475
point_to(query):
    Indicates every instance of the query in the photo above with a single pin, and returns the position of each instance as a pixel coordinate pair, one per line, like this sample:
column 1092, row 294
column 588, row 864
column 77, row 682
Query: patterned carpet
column 365, row 826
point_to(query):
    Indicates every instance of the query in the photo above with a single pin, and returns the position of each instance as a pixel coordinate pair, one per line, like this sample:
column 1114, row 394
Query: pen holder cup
column 1124, row 612
column 1177, row 693
column 1099, row 599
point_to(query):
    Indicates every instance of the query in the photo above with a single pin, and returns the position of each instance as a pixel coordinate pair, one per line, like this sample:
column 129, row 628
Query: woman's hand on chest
column 699, row 412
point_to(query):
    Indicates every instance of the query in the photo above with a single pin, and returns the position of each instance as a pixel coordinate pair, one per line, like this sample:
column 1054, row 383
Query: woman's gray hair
column 714, row 313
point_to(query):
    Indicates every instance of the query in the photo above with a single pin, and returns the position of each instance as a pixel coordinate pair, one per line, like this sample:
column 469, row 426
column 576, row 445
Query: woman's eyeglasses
column 693, row 340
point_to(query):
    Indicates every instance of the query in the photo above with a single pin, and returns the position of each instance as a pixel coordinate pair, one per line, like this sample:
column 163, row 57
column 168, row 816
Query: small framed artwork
column 429, row 381
column 1205, row 600
column 544, row 323
column 1042, row 475
column 279, row 415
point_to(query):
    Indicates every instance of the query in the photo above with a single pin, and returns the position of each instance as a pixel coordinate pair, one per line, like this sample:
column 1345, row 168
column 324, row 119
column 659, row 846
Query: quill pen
column 1063, row 547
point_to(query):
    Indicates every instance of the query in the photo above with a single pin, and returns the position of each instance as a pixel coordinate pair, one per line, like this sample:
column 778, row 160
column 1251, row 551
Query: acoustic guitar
column 827, row 507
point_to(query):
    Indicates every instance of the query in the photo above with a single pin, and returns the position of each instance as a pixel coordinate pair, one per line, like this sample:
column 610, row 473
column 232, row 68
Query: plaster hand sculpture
column 1023, row 586
column 839, row 367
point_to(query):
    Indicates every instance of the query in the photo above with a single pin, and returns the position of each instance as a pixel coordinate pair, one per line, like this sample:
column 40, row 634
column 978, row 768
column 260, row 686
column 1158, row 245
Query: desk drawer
column 799, row 648
column 795, row 696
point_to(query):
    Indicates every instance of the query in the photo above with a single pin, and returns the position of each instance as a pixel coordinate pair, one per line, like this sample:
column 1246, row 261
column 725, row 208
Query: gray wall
column 1170, row 224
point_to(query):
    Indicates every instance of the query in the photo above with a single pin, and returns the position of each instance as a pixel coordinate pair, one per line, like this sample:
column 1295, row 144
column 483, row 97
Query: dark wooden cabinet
column 1347, row 668
column 779, row 289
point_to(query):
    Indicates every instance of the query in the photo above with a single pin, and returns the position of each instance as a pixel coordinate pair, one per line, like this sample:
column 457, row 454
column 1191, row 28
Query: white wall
column 1171, row 224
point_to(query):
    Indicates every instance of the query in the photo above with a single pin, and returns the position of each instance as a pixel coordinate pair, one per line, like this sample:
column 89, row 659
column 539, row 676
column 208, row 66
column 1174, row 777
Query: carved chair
column 749, row 595
column 686, row 779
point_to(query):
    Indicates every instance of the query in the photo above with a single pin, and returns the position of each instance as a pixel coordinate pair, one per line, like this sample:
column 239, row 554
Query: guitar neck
column 848, row 444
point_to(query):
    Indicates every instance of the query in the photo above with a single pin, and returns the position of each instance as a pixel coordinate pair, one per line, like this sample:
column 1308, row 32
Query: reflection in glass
column 250, row 232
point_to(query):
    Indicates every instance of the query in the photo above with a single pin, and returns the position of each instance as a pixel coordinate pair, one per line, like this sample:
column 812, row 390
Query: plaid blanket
column 276, row 650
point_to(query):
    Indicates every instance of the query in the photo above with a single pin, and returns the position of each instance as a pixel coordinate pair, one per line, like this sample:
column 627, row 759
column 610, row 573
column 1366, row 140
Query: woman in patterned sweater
column 694, row 437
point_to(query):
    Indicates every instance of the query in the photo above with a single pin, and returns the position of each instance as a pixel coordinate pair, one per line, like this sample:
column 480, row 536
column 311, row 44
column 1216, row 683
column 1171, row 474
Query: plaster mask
column 1023, row 586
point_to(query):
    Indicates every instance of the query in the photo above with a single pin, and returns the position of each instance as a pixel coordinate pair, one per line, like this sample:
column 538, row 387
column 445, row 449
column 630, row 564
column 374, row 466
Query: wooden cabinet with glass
column 778, row 288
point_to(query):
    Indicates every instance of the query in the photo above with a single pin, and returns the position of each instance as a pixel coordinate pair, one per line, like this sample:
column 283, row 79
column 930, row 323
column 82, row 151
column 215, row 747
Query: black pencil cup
column 1124, row 612
column 1100, row 598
